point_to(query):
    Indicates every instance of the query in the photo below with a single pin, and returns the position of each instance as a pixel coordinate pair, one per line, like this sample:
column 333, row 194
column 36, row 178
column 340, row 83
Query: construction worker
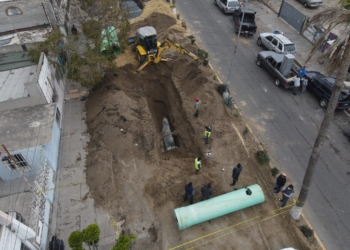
column 197, row 105
column 207, row 191
column 198, row 164
column 207, row 134
column 74, row 30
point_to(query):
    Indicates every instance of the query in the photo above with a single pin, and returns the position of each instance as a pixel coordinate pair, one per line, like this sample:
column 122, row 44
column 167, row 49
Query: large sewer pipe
column 218, row 206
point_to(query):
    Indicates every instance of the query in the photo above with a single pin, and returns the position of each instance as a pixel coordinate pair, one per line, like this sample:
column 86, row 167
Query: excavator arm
column 167, row 44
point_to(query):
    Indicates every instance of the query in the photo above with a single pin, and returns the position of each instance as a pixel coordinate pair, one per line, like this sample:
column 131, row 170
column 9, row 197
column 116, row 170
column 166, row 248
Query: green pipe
column 218, row 206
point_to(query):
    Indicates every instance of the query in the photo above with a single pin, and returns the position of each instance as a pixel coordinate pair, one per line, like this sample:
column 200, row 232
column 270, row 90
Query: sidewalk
column 73, row 209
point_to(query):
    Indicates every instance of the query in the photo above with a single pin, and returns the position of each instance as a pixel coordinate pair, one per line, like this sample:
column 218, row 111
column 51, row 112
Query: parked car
column 311, row 3
column 321, row 86
column 281, row 67
column 276, row 42
column 227, row 6
column 248, row 26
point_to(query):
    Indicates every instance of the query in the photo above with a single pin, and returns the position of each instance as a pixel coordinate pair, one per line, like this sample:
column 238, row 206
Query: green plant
column 307, row 232
column 236, row 114
column 92, row 29
column 91, row 234
column 49, row 47
column 227, row 98
column 263, row 157
column 204, row 55
column 221, row 88
column 215, row 78
column 75, row 240
column 184, row 24
column 124, row 242
column 274, row 171
column 245, row 131
column 178, row 16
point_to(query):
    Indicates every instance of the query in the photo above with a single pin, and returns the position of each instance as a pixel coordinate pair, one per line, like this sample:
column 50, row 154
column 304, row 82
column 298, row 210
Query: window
column 269, row 38
column 274, row 42
column 233, row 4
column 289, row 47
column 20, row 161
column 280, row 47
column 13, row 11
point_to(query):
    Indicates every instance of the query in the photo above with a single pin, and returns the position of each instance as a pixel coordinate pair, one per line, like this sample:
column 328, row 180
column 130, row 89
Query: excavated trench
column 164, row 101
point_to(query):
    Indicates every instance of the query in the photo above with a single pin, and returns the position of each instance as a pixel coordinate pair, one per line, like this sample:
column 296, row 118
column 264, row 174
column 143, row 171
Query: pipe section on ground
column 218, row 206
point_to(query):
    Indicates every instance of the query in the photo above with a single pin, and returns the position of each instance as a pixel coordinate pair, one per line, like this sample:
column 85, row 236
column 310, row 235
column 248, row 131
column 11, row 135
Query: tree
column 339, row 54
column 85, row 63
column 75, row 240
column 90, row 235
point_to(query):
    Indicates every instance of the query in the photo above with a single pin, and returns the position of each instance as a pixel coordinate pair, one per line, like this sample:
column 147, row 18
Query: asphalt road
column 287, row 125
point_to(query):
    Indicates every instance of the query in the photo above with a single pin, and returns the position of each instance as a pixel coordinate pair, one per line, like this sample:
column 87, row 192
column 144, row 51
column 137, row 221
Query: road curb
column 347, row 112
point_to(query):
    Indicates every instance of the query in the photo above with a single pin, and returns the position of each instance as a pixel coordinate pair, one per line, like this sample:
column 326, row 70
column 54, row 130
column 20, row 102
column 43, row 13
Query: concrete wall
column 45, row 80
column 8, row 240
column 51, row 150
column 50, row 86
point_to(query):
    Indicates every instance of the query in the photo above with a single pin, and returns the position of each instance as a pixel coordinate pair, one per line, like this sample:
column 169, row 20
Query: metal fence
column 292, row 16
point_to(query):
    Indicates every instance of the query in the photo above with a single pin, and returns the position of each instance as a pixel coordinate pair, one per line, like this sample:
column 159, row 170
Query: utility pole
column 235, row 48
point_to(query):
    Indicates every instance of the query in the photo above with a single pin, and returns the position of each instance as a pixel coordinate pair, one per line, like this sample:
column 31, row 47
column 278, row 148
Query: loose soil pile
column 131, row 175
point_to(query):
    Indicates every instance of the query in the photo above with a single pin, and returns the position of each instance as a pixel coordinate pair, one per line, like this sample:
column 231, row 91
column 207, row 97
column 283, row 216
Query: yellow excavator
column 150, row 50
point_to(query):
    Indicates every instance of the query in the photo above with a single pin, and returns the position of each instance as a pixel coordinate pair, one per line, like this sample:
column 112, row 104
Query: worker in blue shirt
column 302, row 71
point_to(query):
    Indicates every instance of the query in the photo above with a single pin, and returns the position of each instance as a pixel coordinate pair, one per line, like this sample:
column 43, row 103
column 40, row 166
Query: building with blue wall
column 31, row 110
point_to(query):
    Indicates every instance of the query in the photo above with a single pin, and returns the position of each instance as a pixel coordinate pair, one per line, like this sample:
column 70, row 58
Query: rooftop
column 14, row 60
column 27, row 127
column 27, row 15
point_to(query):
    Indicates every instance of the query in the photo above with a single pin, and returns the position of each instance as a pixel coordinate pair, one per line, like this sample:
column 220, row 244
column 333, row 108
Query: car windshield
column 233, row 4
column 343, row 96
column 289, row 47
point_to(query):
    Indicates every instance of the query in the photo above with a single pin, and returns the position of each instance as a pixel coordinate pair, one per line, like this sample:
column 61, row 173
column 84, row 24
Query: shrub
column 75, row 240
column 227, row 98
column 246, row 131
column 124, row 242
column 262, row 157
column 221, row 88
column 184, row 25
column 274, row 171
column 215, row 78
column 178, row 16
column 307, row 232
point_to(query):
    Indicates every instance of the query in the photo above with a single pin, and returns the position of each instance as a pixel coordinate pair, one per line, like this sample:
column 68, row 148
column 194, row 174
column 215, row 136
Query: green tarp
column 110, row 41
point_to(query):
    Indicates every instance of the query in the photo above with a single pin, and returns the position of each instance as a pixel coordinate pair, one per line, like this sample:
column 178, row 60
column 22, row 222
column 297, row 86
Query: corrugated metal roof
column 14, row 60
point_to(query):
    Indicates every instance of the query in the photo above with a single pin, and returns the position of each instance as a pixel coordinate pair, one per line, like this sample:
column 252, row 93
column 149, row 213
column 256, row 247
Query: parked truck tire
column 323, row 103
column 258, row 62
column 277, row 82
column 259, row 42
